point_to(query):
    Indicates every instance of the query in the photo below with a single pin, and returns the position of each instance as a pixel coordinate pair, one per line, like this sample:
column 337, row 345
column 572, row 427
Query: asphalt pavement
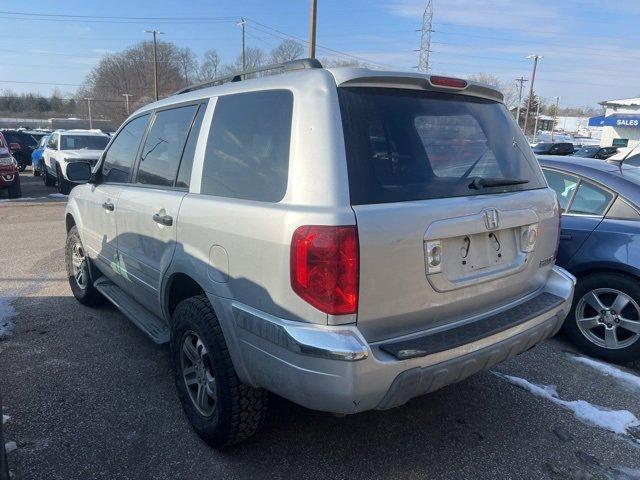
column 90, row 397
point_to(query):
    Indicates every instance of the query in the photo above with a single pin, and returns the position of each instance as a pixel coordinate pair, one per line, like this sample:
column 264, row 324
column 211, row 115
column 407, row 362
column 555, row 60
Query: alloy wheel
column 197, row 373
column 79, row 263
column 608, row 318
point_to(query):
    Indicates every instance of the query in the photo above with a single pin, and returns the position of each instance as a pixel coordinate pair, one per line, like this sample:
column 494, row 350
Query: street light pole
column 312, row 28
column 555, row 118
column 89, row 111
column 242, row 23
column 533, row 79
column 521, row 81
column 126, row 96
column 155, row 60
column 535, row 127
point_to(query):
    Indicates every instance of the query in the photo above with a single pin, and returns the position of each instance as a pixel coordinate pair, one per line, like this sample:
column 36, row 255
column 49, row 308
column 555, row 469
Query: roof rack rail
column 299, row 64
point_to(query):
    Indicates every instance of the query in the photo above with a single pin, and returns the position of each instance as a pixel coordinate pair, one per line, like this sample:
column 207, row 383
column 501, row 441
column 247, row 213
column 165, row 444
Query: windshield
column 585, row 152
column 542, row 147
column 83, row 142
column 407, row 145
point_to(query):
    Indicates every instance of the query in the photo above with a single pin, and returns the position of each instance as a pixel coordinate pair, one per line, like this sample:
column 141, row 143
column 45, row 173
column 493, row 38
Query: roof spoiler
column 300, row 64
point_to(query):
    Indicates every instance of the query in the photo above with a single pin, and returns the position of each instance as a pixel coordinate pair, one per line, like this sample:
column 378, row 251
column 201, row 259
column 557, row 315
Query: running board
column 146, row 321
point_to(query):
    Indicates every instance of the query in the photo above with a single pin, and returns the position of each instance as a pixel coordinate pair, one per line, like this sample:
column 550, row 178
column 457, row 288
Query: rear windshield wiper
column 488, row 182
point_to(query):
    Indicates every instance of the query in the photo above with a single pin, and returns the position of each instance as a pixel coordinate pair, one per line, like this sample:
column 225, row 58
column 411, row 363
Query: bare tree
column 209, row 66
column 255, row 58
column 508, row 89
column 287, row 50
column 188, row 64
column 337, row 62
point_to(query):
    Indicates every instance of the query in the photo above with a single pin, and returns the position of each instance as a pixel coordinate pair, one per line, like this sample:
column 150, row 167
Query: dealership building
column 620, row 122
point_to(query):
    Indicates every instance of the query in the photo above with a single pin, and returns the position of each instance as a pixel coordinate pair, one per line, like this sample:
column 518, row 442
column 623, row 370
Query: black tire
column 64, row 185
column 15, row 190
column 615, row 281
column 239, row 410
column 47, row 179
column 86, row 293
column 22, row 167
column 36, row 171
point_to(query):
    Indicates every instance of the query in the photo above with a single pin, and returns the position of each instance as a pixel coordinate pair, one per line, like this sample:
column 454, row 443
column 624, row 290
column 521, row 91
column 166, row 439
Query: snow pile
column 609, row 370
column 58, row 195
column 5, row 419
column 617, row 421
column 10, row 447
column 6, row 312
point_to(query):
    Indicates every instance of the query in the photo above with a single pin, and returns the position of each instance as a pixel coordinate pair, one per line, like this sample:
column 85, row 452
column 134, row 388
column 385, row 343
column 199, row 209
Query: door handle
column 108, row 206
column 166, row 220
column 566, row 236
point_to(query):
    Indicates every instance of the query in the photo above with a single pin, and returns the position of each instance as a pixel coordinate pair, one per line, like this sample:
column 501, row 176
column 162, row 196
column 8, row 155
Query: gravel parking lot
column 89, row 397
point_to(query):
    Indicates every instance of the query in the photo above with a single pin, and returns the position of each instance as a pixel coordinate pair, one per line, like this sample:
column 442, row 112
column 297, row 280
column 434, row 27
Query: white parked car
column 69, row 146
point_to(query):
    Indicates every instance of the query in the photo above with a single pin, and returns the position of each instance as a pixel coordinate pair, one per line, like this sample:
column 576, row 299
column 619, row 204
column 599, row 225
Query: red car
column 9, row 176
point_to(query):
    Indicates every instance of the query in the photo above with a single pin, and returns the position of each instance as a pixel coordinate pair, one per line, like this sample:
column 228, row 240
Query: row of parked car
column 383, row 235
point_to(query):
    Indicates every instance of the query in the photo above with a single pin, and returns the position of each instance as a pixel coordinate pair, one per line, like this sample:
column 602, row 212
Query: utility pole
column 126, row 96
column 312, row 28
column 535, row 127
column 555, row 118
column 155, row 59
column 425, row 37
column 521, row 81
column 89, row 110
column 242, row 23
column 4, row 468
column 533, row 79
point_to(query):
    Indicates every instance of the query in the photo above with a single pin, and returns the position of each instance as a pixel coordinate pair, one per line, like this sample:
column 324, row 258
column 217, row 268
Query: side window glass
column 52, row 142
column 590, row 200
column 118, row 159
column 247, row 152
column 563, row 185
column 622, row 210
column 633, row 160
column 186, row 164
column 163, row 146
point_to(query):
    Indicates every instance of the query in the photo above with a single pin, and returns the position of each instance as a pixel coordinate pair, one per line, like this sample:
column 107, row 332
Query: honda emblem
column 491, row 219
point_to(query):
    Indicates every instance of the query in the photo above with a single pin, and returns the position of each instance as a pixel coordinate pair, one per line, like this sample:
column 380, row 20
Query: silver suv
column 345, row 238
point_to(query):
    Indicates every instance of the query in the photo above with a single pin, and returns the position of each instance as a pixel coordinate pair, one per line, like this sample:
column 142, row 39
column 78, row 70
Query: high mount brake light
column 447, row 82
column 325, row 267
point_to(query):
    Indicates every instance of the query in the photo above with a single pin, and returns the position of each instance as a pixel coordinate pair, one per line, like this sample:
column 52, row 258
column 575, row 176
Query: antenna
column 425, row 37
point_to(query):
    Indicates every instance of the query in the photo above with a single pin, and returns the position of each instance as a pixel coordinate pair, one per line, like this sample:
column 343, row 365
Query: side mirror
column 14, row 146
column 79, row 172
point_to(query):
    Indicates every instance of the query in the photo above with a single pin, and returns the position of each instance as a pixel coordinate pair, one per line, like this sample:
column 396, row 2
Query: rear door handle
column 166, row 220
column 108, row 206
column 566, row 236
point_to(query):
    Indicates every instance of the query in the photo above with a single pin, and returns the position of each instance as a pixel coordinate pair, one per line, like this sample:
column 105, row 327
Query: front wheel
column 78, row 271
column 64, row 185
column 47, row 179
column 604, row 320
column 15, row 190
column 221, row 409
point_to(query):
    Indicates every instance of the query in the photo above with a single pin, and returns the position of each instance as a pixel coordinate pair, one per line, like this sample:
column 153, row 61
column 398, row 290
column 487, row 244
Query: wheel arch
column 606, row 267
column 69, row 221
column 178, row 287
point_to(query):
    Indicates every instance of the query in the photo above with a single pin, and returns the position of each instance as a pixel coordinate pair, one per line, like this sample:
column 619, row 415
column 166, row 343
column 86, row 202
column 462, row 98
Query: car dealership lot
column 89, row 396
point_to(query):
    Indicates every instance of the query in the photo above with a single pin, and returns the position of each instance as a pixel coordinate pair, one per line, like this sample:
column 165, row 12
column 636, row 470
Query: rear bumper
column 334, row 368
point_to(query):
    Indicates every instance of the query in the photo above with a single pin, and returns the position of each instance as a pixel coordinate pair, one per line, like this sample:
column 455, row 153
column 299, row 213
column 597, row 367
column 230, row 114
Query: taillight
column 325, row 267
column 448, row 82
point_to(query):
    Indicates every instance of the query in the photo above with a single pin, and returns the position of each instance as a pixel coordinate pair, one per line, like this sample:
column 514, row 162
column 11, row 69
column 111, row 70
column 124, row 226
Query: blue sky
column 589, row 47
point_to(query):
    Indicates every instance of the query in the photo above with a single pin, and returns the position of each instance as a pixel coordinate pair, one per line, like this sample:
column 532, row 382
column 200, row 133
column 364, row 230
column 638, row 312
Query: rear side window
column 564, row 185
column 163, row 146
column 590, row 200
column 186, row 164
column 405, row 145
column 120, row 156
column 247, row 153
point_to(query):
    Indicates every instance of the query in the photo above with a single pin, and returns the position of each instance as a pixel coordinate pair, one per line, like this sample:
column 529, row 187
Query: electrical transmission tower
column 425, row 37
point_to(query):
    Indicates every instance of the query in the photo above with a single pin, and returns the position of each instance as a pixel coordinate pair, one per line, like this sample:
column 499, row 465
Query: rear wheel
column 604, row 320
column 78, row 271
column 221, row 409
column 36, row 171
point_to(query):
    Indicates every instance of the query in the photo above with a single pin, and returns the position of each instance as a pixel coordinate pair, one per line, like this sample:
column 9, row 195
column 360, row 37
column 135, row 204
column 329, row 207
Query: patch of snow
column 609, row 370
column 21, row 199
column 617, row 421
column 10, row 447
column 5, row 419
column 57, row 195
column 6, row 312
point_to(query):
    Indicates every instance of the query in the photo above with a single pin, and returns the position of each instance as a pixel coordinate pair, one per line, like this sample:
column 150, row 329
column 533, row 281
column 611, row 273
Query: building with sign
column 620, row 122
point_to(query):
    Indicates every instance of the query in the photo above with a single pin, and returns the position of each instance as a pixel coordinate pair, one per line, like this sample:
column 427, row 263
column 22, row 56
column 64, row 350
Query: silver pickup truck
column 344, row 238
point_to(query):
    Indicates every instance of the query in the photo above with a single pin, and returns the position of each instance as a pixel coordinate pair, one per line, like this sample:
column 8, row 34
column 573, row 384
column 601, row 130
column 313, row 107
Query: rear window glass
column 83, row 142
column 405, row 145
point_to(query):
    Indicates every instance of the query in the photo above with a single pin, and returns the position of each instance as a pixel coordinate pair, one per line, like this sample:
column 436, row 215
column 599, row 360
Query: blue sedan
column 36, row 155
column 600, row 245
